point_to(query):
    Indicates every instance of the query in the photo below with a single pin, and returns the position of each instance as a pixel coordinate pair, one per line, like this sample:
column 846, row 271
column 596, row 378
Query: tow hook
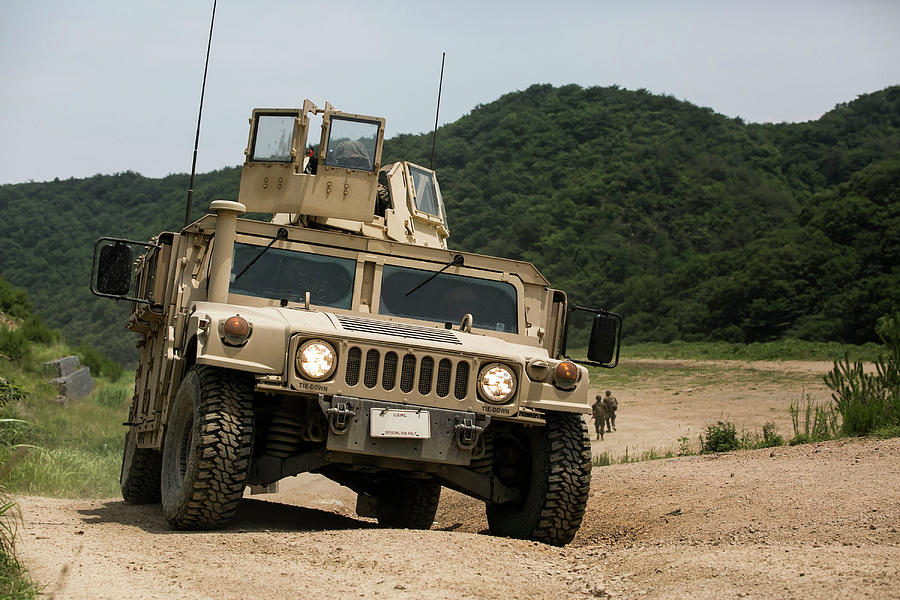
column 467, row 434
column 339, row 417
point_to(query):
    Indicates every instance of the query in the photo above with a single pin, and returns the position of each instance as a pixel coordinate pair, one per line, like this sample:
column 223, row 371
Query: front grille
column 416, row 373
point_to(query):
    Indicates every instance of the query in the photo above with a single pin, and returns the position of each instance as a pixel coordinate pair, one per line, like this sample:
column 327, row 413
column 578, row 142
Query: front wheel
column 208, row 444
column 551, row 466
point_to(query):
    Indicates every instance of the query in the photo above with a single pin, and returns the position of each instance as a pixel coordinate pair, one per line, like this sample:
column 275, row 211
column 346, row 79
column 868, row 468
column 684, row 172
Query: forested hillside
column 693, row 225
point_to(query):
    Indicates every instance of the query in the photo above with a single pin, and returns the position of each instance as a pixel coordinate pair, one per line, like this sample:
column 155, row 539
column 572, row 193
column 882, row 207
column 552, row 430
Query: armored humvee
column 339, row 335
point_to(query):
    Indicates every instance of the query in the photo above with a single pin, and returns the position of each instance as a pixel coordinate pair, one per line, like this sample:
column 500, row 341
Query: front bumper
column 455, row 435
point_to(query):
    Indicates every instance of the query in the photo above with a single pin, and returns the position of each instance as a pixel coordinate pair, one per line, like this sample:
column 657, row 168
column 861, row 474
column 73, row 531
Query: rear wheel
column 408, row 504
column 140, row 475
column 207, row 449
column 551, row 466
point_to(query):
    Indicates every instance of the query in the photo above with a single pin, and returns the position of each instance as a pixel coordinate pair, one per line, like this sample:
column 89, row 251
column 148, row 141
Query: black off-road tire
column 408, row 504
column 140, row 474
column 207, row 449
column 551, row 465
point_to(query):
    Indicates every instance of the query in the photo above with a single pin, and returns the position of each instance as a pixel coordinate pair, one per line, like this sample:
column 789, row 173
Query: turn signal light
column 236, row 330
column 566, row 375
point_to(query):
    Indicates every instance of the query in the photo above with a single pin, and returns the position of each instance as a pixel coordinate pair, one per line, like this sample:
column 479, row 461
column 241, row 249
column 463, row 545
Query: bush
column 99, row 364
column 771, row 437
column 34, row 330
column 868, row 402
column 13, row 343
column 721, row 437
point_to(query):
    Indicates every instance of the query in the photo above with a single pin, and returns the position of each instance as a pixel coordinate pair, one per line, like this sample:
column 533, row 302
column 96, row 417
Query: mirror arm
column 94, row 265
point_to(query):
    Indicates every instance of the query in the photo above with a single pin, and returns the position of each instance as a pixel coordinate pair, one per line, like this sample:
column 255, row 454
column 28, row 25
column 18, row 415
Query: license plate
column 394, row 423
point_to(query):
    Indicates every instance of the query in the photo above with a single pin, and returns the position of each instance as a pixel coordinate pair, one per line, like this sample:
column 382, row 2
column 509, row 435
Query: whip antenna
column 190, row 196
column 438, row 111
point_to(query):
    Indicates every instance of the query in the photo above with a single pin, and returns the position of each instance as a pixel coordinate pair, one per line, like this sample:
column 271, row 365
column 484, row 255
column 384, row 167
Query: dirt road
column 814, row 521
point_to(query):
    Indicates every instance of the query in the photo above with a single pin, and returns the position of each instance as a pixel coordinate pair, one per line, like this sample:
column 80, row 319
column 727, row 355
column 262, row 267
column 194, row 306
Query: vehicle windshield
column 288, row 274
column 447, row 297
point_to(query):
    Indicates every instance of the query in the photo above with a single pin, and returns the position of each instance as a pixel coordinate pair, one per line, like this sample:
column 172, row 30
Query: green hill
column 693, row 225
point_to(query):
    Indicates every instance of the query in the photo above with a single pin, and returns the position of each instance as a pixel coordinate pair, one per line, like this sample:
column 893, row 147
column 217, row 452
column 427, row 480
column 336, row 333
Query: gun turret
column 342, row 183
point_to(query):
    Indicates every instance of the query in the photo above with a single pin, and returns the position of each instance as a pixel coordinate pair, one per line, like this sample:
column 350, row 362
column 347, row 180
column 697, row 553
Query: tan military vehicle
column 341, row 336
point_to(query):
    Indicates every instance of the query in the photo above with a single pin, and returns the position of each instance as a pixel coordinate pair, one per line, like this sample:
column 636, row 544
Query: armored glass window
column 352, row 144
column 287, row 274
column 447, row 297
column 426, row 194
column 272, row 141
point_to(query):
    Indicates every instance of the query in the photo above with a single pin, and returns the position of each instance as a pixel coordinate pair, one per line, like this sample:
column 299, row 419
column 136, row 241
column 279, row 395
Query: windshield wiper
column 456, row 262
column 281, row 235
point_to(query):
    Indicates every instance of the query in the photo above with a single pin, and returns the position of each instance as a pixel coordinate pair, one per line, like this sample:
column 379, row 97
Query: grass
column 15, row 582
column 605, row 459
column 781, row 350
column 49, row 449
column 75, row 448
column 721, row 437
column 813, row 422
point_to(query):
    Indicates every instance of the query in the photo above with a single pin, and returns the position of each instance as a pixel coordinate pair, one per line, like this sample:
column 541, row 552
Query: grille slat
column 370, row 379
column 462, row 380
column 354, row 358
column 443, row 378
column 389, row 378
column 408, row 373
column 426, row 370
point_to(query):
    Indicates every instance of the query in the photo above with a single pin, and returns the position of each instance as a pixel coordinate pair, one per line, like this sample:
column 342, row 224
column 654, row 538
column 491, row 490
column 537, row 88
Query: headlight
column 497, row 383
column 316, row 360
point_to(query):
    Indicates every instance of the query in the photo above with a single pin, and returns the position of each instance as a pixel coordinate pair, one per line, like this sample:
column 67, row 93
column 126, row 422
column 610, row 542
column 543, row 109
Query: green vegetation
column 721, row 437
column 870, row 402
column 70, row 450
column 813, row 422
column 605, row 459
column 15, row 582
column 787, row 349
column 694, row 226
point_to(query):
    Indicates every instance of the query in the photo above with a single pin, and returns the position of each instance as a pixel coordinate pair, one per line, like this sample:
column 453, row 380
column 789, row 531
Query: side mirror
column 114, row 269
column 603, row 346
column 605, row 341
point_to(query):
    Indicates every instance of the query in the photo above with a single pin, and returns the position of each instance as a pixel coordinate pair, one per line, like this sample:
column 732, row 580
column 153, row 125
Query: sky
column 114, row 85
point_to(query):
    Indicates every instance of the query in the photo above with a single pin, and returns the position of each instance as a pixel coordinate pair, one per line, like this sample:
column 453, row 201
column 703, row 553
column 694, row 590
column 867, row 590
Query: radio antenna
column 190, row 195
column 438, row 111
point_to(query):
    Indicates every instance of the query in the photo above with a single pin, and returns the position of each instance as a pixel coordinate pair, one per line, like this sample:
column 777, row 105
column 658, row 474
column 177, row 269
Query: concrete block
column 74, row 386
column 62, row 367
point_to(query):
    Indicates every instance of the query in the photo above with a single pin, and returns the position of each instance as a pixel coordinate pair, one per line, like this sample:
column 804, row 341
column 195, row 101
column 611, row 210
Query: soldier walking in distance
column 610, row 405
column 599, row 411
